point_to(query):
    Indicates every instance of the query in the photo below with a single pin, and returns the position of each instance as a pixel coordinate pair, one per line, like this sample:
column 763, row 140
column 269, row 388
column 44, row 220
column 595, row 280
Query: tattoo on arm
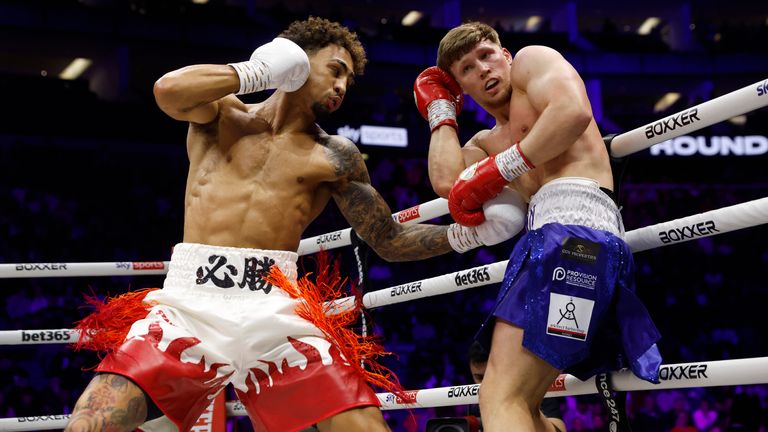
column 370, row 216
column 111, row 402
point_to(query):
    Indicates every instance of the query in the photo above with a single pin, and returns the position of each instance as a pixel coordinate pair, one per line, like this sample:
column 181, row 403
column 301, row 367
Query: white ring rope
column 744, row 215
column 691, row 119
column 30, row 270
column 679, row 375
column 739, row 216
column 722, row 220
column 416, row 214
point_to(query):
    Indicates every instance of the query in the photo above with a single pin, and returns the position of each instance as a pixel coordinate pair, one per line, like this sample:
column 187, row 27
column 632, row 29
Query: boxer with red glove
column 438, row 97
column 484, row 180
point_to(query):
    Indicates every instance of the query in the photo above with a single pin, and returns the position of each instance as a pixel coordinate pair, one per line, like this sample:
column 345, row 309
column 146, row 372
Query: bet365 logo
column 762, row 88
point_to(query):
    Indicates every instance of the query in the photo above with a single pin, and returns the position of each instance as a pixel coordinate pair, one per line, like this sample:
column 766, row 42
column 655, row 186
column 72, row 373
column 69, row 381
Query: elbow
column 163, row 91
column 442, row 183
column 169, row 94
column 580, row 117
column 442, row 189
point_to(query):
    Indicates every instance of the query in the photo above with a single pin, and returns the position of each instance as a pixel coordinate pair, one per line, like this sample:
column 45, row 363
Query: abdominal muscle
column 262, row 211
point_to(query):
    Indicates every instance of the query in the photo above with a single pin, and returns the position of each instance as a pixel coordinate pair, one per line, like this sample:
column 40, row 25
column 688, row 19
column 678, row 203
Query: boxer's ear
column 507, row 55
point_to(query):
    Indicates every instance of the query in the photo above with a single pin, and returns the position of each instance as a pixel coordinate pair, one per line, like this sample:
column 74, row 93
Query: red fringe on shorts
column 105, row 329
column 315, row 307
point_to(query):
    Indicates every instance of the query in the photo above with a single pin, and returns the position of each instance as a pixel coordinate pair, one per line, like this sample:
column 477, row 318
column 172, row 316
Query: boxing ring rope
column 726, row 219
column 679, row 375
column 719, row 109
column 700, row 374
column 332, row 240
column 731, row 218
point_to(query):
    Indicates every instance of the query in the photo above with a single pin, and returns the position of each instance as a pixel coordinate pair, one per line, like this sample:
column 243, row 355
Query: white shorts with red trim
column 218, row 321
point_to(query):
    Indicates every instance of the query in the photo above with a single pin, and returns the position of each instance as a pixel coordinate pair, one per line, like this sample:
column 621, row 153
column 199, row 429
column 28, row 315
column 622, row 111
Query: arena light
column 75, row 69
column 411, row 18
column 648, row 25
column 533, row 23
column 199, row 1
column 739, row 120
column 666, row 101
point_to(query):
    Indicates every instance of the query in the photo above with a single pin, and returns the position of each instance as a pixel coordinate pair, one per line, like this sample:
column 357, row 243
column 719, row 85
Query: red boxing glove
column 438, row 97
column 482, row 181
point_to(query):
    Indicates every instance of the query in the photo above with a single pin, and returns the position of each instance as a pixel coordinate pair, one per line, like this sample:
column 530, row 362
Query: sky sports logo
column 762, row 88
column 148, row 265
column 386, row 136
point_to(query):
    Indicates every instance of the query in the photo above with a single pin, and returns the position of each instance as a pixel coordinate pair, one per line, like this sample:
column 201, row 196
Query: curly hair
column 317, row 33
column 460, row 40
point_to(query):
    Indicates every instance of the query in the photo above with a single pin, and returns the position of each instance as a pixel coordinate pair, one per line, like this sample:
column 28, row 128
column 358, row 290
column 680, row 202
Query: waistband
column 575, row 201
column 230, row 268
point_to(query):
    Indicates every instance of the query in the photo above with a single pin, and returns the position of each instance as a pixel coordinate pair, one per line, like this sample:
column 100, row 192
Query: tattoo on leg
column 110, row 403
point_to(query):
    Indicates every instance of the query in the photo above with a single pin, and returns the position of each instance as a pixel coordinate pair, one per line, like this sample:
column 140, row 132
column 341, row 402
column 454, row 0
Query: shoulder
column 532, row 53
column 232, row 105
column 538, row 62
column 479, row 139
column 336, row 142
column 342, row 154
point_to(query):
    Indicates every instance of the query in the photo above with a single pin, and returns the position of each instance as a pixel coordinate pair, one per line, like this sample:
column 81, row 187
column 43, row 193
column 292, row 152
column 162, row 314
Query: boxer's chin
column 320, row 111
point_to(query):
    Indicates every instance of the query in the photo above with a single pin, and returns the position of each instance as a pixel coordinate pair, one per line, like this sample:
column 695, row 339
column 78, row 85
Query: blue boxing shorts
column 570, row 286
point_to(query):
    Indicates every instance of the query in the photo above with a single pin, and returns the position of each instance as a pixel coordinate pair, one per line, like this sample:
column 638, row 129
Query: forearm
column 187, row 88
column 445, row 159
column 411, row 243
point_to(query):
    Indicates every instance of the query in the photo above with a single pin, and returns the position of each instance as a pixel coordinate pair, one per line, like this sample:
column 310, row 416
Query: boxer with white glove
column 438, row 97
column 280, row 64
column 505, row 216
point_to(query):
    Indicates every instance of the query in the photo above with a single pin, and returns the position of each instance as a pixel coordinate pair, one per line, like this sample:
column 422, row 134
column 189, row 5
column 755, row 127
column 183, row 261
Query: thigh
column 110, row 402
column 514, row 371
column 364, row 419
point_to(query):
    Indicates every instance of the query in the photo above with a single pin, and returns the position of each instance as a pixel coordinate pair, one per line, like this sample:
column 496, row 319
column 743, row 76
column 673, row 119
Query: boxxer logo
column 693, row 371
column 413, row 287
column 688, row 232
column 464, row 391
column 671, row 123
column 40, row 267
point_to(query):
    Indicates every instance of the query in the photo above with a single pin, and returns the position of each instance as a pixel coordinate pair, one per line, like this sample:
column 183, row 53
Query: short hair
column 460, row 40
column 477, row 353
column 316, row 33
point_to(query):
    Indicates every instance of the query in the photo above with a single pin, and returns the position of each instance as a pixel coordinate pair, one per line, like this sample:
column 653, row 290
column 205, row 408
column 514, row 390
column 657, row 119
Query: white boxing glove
column 504, row 217
column 280, row 64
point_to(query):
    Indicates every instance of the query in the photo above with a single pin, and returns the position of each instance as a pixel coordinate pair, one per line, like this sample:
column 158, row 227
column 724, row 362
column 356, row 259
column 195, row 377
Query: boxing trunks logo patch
column 575, row 278
column 221, row 274
column 580, row 250
column 569, row 316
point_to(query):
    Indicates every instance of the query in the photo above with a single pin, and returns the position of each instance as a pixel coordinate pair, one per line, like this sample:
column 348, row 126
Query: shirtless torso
column 249, row 187
column 586, row 157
